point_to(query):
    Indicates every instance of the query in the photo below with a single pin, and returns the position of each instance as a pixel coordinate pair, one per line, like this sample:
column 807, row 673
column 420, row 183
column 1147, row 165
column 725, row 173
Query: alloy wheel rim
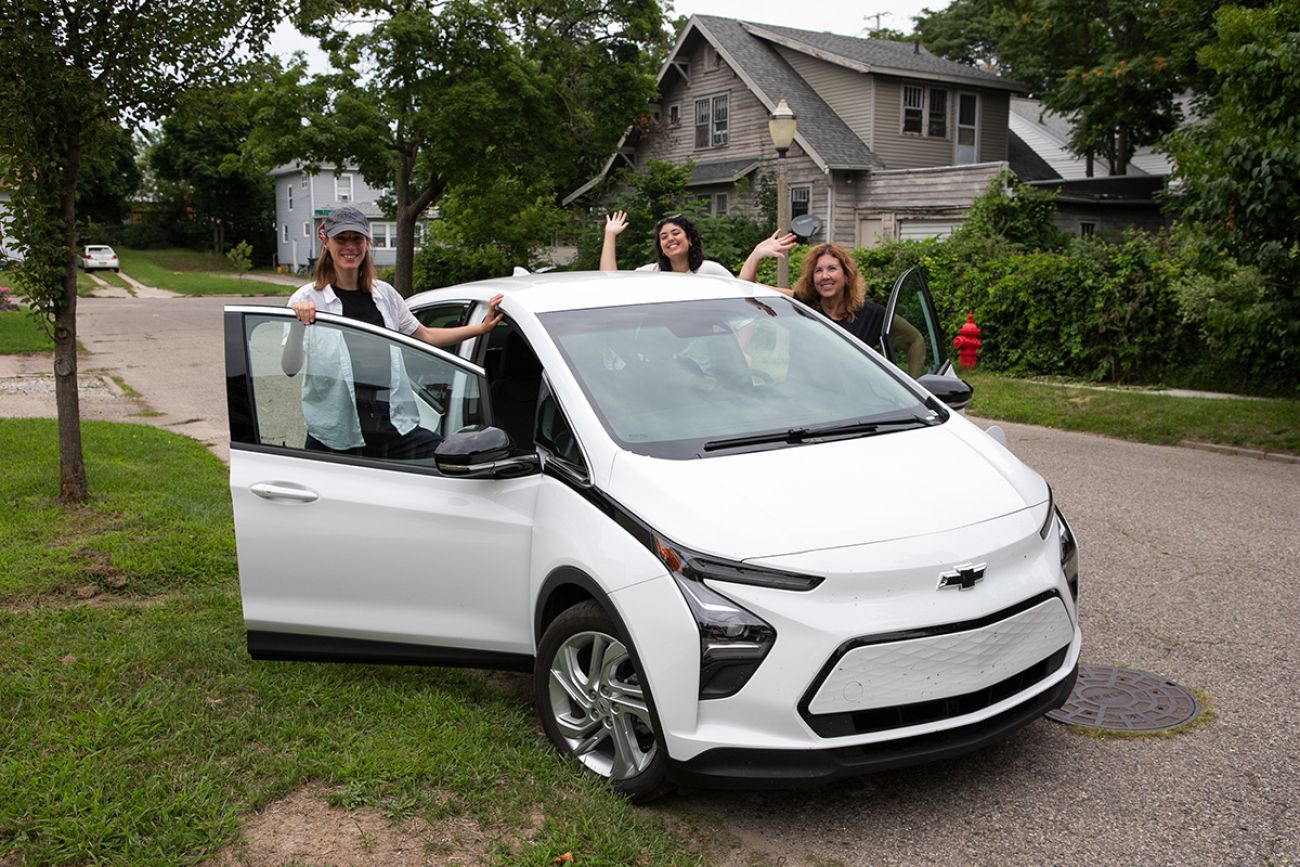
column 599, row 706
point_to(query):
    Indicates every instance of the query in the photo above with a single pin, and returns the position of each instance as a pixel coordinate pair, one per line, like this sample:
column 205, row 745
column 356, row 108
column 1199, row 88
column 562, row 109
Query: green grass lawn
column 1132, row 414
column 138, row 731
column 19, row 332
column 191, row 272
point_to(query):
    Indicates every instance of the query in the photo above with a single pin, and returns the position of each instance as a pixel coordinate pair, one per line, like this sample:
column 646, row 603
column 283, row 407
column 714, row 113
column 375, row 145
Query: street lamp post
column 781, row 126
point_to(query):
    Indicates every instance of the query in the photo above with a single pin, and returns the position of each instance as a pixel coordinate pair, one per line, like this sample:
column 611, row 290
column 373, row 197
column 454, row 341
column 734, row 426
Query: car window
column 556, row 435
column 356, row 395
column 914, row 337
column 447, row 315
column 668, row 379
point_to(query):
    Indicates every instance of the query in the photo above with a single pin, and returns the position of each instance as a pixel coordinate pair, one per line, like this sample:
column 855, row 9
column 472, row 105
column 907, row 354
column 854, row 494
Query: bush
column 144, row 236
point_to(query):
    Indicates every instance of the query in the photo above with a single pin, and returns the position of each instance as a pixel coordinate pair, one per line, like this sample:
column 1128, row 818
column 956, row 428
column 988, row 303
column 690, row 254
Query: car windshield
column 699, row 378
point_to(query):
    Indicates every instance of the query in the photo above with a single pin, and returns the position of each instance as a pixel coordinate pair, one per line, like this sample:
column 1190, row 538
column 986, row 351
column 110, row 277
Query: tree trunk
column 72, row 466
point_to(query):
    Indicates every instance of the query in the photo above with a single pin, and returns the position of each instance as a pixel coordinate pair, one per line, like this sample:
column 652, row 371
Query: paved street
column 1190, row 563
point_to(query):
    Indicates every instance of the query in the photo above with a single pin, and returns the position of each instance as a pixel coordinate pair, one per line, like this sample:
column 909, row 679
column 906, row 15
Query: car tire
column 594, row 704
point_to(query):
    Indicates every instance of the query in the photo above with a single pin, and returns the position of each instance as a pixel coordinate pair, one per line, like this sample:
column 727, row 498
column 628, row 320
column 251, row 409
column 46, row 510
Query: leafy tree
column 109, row 178
column 1113, row 66
column 441, row 96
column 70, row 74
column 241, row 258
column 201, row 170
column 1238, row 188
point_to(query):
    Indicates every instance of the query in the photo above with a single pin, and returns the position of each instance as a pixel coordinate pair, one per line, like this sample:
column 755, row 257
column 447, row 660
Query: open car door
column 913, row 341
column 348, row 553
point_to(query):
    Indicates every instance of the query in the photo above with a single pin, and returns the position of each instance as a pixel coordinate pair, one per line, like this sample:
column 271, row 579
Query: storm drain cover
column 1121, row 699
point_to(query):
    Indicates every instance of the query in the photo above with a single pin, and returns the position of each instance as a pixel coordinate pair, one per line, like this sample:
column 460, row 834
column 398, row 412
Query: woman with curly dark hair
column 680, row 249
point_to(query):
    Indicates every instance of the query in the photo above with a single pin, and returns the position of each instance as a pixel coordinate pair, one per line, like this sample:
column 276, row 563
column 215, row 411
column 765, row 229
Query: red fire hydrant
column 967, row 342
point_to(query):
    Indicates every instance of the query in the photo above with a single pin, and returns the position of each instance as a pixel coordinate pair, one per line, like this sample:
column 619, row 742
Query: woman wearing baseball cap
column 376, row 417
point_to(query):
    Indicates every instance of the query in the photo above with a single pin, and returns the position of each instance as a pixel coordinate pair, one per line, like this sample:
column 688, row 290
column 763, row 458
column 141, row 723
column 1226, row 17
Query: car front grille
column 934, row 665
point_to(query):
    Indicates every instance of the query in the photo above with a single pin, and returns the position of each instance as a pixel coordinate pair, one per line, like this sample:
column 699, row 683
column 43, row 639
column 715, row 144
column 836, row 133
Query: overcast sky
column 846, row 17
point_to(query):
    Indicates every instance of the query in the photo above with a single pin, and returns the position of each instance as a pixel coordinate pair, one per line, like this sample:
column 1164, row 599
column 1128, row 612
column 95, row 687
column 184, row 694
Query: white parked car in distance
column 724, row 536
column 98, row 257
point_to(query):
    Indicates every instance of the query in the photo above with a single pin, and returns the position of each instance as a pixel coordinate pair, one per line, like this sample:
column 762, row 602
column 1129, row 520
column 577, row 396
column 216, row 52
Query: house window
column 290, row 191
column 306, row 230
column 913, row 108
column 383, row 235
column 711, row 121
column 1087, row 230
column 343, row 188
column 925, row 111
column 938, row 127
column 284, row 233
column 675, row 115
column 719, row 204
column 800, row 201
column 303, row 182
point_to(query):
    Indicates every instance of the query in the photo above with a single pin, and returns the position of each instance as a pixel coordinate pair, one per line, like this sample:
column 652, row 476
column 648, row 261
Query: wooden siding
column 935, row 192
column 899, row 151
column 847, row 92
column 747, row 135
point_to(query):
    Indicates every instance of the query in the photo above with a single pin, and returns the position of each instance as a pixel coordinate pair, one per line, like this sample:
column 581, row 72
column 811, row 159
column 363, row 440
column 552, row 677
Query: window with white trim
column 913, row 108
column 800, row 201
column 711, row 121
column 306, row 229
column 719, row 204
column 303, row 181
column 383, row 236
column 284, row 233
column 925, row 111
column 289, row 190
column 343, row 188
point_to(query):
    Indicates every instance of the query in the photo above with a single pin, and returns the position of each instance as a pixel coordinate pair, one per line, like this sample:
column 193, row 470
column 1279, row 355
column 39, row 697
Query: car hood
column 827, row 495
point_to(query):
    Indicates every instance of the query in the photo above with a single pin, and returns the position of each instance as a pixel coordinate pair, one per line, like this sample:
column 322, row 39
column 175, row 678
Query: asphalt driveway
column 1189, row 569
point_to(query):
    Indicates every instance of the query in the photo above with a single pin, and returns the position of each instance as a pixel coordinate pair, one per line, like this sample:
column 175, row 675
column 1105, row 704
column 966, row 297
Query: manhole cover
column 1121, row 699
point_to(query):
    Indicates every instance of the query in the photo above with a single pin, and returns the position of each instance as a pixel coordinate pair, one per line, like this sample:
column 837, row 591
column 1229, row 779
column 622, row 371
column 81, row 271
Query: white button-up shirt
column 329, row 401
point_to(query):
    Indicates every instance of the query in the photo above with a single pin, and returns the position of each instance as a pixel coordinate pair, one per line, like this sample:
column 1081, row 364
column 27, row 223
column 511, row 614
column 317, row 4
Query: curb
column 1240, row 452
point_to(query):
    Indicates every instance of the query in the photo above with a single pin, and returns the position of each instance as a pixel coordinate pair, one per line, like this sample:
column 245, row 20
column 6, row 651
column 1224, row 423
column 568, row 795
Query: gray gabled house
column 304, row 195
column 892, row 141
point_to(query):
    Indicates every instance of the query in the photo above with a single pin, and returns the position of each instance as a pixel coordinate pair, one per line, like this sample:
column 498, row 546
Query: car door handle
column 283, row 491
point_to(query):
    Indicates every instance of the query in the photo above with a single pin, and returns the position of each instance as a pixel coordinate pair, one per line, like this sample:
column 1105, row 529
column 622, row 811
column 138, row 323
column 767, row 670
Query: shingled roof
column 882, row 56
column 826, row 138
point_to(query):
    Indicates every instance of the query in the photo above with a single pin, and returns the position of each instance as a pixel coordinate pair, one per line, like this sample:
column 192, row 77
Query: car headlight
column 1069, row 554
column 733, row 640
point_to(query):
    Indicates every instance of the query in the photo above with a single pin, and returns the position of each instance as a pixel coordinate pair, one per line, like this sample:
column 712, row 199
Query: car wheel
column 594, row 704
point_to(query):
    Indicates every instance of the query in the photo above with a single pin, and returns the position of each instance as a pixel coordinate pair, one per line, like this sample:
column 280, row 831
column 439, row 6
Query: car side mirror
column 952, row 391
column 482, row 452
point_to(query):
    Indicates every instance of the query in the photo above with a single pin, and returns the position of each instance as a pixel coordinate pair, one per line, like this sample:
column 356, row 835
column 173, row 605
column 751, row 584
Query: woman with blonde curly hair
column 830, row 283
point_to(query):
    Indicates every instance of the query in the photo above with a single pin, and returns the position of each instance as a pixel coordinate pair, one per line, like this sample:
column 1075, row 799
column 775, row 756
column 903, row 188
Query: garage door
column 918, row 230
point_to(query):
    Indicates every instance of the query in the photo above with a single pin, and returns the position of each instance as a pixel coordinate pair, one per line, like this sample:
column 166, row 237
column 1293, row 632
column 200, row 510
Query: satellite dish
column 805, row 227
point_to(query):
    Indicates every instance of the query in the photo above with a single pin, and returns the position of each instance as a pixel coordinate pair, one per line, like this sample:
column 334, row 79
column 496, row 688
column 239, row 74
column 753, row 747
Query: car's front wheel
column 594, row 705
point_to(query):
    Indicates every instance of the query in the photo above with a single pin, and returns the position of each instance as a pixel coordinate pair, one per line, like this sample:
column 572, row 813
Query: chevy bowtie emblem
column 963, row 577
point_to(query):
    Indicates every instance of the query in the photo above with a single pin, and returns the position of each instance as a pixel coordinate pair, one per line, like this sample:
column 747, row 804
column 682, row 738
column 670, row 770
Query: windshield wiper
column 804, row 434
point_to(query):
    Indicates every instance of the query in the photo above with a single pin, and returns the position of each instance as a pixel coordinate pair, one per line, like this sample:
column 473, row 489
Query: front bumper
column 750, row 768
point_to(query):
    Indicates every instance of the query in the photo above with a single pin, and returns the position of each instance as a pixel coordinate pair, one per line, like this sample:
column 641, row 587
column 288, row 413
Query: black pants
column 383, row 440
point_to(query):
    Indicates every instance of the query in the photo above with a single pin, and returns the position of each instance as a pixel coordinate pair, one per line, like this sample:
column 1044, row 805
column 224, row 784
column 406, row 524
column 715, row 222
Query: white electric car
column 734, row 545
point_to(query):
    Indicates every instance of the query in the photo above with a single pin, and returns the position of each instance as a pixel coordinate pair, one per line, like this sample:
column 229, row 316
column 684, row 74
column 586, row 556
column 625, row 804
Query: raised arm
column 615, row 223
column 775, row 247
column 444, row 337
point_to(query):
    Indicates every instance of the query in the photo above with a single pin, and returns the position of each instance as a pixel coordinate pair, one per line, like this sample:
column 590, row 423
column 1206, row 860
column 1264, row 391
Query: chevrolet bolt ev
column 721, row 533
